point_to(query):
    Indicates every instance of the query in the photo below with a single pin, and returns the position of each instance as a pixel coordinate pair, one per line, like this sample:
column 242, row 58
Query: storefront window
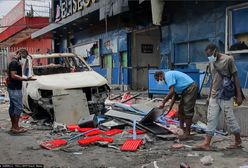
column 89, row 51
column 123, row 59
column 237, row 29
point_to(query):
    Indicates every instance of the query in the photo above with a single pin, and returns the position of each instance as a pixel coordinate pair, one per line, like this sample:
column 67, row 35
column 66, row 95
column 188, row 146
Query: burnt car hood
column 69, row 80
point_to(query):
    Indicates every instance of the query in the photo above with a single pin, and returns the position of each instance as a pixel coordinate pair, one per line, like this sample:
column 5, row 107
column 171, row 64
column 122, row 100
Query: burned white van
column 64, row 87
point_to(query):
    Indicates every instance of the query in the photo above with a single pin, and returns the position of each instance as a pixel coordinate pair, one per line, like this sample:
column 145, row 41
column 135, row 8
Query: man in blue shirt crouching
column 180, row 83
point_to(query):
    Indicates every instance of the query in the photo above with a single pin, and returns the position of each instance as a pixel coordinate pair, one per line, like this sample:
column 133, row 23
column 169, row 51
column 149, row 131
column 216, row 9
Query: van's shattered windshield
column 47, row 66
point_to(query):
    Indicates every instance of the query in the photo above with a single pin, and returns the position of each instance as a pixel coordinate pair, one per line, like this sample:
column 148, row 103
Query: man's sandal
column 18, row 131
column 235, row 146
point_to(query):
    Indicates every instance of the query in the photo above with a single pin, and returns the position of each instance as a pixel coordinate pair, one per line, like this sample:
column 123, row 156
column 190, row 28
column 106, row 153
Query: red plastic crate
column 138, row 132
column 84, row 129
column 95, row 132
column 53, row 143
column 171, row 113
column 131, row 144
column 170, row 121
column 87, row 141
column 113, row 132
column 72, row 127
column 110, row 140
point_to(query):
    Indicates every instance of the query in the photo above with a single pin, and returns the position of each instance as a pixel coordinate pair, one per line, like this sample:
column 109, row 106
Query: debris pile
column 207, row 160
column 124, row 127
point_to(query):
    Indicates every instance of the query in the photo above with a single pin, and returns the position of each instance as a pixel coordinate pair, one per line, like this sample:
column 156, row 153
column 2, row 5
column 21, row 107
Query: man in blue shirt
column 180, row 84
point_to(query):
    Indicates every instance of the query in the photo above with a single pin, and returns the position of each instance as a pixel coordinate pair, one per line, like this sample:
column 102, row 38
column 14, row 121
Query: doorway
column 145, row 51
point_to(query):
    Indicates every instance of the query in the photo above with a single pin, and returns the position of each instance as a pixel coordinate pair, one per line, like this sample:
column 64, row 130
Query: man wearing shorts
column 181, row 84
column 14, row 87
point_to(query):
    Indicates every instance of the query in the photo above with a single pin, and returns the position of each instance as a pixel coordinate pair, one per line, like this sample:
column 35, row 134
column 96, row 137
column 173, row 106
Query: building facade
column 118, row 39
column 18, row 25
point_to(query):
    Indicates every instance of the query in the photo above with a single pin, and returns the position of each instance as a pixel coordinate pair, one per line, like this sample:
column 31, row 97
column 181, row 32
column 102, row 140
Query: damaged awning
column 105, row 8
column 21, row 30
column 17, row 38
column 112, row 8
column 53, row 26
column 157, row 11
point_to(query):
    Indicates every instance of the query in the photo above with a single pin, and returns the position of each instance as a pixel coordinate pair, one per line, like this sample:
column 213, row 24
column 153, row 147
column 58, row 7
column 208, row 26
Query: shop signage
column 68, row 7
column 146, row 48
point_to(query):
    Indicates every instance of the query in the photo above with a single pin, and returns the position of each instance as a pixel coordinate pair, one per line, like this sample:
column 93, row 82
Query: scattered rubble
column 118, row 135
column 207, row 160
column 184, row 165
column 123, row 127
column 193, row 154
column 246, row 166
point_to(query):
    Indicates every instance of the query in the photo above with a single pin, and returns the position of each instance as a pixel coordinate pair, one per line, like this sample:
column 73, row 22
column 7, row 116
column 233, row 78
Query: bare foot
column 236, row 145
column 201, row 147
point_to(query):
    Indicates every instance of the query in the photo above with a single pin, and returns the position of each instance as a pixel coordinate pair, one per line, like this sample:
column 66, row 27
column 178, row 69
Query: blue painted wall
column 118, row 36
column 193, row 27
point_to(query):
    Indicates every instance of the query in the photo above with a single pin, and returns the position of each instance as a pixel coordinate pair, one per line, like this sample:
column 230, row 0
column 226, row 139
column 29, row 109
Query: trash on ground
column 138, row 132
column 207, row 160
column 171, row 113
column 113, row 132
column 77, row 153
column 184, row 165
column 118, row 121
column 193, row 154
column 155, row 164
column 245, row 166
column 131, row 144
column 90, row 140
column 53, row 143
